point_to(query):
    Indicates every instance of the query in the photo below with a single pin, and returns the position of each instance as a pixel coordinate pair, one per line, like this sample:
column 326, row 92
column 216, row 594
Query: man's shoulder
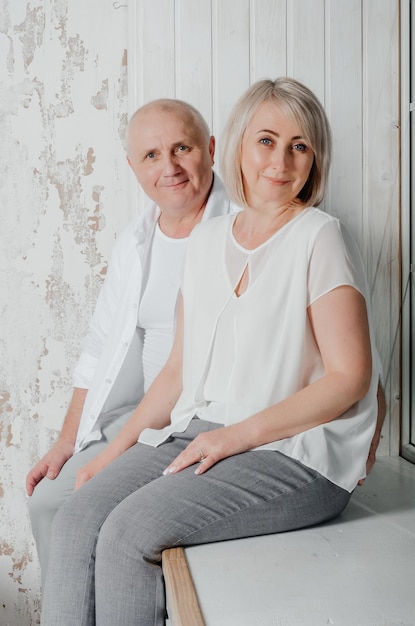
column 212, row 228
column 218, row 202
column 141, row 224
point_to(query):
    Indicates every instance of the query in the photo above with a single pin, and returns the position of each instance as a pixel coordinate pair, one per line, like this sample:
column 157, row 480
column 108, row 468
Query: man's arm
column 51, row 464
column 153, row 411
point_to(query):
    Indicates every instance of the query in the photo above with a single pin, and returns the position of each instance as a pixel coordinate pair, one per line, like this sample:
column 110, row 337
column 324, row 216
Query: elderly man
column 171, row 152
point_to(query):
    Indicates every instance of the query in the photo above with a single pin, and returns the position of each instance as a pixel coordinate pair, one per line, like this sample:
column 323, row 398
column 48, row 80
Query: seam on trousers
column 84, row 616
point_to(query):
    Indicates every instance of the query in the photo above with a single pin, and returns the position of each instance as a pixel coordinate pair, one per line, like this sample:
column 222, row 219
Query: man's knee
column 49, row 495
column 46, row 499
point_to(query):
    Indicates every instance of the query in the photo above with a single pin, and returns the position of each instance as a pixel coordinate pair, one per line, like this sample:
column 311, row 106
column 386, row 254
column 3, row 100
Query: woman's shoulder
column 318, row 216
column 315, row 222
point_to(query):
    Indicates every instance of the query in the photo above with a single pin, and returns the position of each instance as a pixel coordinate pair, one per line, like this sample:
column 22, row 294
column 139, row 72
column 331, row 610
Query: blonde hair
column 295, row 100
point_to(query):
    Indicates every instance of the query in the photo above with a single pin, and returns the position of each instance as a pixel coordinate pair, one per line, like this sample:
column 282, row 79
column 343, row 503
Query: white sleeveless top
column 157, row 307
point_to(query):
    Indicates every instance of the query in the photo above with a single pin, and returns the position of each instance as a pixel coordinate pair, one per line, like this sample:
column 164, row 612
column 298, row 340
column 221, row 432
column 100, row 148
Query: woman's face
column 275, row 159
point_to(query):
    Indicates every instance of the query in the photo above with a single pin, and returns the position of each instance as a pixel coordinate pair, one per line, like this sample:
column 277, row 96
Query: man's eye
column 182, row 148
column 150, row 155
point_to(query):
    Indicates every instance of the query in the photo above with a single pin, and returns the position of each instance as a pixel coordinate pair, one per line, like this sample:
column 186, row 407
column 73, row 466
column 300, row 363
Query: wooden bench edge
column 183, row 605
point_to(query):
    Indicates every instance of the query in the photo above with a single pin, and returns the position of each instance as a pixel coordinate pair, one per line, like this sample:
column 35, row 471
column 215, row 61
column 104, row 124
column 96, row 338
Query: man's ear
column 128, row 160
column 212, row 145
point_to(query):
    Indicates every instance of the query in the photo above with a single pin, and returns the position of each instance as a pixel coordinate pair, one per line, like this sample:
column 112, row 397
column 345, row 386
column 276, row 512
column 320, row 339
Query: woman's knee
column 128, row 534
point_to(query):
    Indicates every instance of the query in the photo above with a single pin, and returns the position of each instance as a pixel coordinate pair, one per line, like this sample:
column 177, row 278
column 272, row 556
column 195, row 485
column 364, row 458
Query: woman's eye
column 265, row 141
column 299, row 147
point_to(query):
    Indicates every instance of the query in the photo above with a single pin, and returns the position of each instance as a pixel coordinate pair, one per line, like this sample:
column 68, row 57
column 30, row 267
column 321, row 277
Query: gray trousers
column 49, row 495
column 107, row 539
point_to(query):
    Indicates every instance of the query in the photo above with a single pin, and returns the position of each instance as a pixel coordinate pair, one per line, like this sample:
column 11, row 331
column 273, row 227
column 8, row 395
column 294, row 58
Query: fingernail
column 169, row 470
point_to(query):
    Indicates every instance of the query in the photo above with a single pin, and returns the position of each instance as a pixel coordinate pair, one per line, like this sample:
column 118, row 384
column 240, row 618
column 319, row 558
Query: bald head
column 179, row 109
column 171, row 153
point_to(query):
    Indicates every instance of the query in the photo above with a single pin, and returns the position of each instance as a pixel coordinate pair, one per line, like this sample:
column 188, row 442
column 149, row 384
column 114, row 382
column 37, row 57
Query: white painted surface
column 63, row 197
column 356, row 570
column 63, row 179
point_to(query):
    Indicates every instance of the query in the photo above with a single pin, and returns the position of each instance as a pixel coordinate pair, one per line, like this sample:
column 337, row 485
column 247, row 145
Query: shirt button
column 108, row 381
column 125, row 344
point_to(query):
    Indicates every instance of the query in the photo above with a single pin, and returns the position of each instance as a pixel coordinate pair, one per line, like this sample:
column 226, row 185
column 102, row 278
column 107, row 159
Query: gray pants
column 49, row 495
column 108, row 538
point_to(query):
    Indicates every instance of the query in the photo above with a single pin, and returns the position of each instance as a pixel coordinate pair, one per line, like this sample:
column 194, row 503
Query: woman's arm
column 153, row 411
column 340, row 326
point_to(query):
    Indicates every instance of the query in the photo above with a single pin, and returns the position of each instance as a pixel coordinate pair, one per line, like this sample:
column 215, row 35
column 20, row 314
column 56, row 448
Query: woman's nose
column 280, row 159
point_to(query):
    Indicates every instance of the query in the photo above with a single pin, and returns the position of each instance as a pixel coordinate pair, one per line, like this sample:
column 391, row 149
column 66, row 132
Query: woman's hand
column 89, row 470
column 208, row 448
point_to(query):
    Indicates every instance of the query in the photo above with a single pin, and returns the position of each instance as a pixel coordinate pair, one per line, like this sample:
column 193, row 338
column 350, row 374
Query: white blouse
column 244, row 354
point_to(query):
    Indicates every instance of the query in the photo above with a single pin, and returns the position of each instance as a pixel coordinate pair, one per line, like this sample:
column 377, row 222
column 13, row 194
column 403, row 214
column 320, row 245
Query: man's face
column 171, row 159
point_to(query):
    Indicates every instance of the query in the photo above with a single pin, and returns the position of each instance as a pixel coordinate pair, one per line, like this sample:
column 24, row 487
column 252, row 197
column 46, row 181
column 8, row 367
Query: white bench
column 355, row 571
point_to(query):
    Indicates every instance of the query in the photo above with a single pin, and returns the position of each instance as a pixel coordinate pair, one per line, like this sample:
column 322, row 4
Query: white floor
column 356, row 571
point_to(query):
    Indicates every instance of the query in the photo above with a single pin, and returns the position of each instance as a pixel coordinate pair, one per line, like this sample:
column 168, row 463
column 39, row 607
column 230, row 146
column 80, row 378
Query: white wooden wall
column 209, row 51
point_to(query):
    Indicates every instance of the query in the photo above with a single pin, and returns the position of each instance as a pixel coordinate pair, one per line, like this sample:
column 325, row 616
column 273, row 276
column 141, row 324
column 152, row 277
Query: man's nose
column 171, row 164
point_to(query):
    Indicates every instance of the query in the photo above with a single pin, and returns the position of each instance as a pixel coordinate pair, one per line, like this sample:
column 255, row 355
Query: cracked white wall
column 63, row 199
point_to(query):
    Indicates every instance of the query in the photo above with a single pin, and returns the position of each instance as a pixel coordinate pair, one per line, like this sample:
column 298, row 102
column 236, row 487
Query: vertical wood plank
column 151, row 62
column 381, row 188
column 305, row 43
column 343, row 67
column 194, row 54
column 230, row 57
column 156, row 60
column 268, row 39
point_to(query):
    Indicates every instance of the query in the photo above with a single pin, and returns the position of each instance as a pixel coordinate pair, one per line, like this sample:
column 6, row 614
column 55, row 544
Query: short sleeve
column 335, row 261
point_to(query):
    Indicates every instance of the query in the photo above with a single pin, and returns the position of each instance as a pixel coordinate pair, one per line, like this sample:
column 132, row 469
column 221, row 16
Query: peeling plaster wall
column 63, row 199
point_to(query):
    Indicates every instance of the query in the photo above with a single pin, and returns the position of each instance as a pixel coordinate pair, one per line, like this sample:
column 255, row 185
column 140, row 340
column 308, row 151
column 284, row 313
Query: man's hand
column 372, row 453
column 378, row 432
column 50, row 465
